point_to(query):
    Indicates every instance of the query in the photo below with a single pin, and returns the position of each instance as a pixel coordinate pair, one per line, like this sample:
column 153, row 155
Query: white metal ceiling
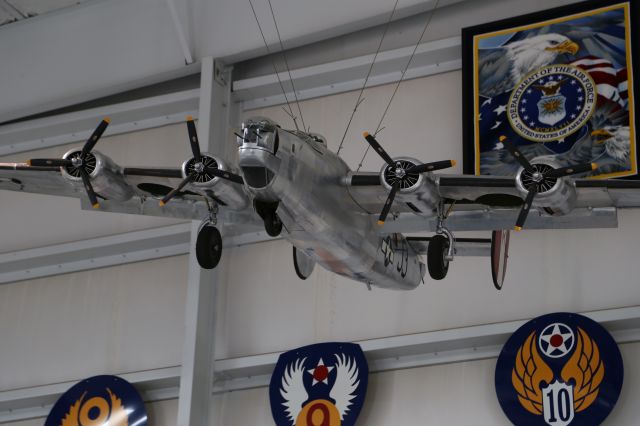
column 16, row 10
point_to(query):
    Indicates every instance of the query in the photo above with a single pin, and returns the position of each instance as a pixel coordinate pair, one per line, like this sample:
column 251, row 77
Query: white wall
column 261, row 297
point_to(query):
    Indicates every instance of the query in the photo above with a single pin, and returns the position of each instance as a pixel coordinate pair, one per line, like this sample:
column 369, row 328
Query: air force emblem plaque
column 319, row 385
column 559, row 369
column 99, row 401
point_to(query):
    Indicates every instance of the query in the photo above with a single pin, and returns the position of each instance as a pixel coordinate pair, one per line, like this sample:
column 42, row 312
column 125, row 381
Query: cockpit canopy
column 259, row 132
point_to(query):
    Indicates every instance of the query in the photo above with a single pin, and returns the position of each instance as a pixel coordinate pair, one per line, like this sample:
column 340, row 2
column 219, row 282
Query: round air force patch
column 319, row 385
column 552, row 103
column 99, row 401
column 559, row 369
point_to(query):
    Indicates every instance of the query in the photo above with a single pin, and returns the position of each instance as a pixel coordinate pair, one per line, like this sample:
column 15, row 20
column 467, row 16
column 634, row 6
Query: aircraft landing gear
column 209, row 241
column 267, row 211
column 437, row 261
column 208, row 247
column 441, row 247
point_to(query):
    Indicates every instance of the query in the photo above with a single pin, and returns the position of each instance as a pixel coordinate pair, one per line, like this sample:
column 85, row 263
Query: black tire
column 437, row 264
column 272, row 224
column 209, row 247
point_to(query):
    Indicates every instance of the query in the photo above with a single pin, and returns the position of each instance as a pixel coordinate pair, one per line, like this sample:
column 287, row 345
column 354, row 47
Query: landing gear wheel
column 436, row 257
column 272, row 224
column 208, row 247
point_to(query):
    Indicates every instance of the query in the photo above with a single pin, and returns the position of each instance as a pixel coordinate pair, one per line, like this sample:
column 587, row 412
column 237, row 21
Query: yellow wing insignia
column 71, row 418
column 119, row 416
column 587, row 371
column 529, row 372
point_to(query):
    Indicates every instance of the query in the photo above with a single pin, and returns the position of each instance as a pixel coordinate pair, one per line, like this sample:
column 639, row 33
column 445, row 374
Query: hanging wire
column 286, row 63
column 366, row 80
column 275, row 70
column 404, row 71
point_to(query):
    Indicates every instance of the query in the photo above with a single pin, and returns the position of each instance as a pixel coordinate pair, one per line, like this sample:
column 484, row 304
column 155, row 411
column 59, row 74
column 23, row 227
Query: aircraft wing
column 148, row 185
column 488, row 202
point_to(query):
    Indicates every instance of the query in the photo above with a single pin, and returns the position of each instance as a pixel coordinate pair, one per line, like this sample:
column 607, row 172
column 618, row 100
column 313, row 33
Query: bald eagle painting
column 558, row 84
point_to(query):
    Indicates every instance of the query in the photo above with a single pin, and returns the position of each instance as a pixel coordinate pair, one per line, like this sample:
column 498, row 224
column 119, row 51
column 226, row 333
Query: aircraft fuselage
column 307, row 181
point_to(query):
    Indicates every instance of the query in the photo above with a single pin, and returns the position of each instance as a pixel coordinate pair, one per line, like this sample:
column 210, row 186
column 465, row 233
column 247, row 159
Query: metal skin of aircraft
column 331, row 215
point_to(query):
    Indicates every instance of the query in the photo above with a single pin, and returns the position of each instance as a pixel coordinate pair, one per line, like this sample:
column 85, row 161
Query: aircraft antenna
column 404, row 71
column 286, row 64
column 275, row 69
column 366, row 80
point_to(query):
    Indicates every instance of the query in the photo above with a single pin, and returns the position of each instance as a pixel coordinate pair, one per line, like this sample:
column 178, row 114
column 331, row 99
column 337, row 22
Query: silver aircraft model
column 331, row 215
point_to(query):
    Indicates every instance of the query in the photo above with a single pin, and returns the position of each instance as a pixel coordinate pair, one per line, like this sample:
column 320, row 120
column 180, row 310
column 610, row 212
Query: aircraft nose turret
column 259, row 142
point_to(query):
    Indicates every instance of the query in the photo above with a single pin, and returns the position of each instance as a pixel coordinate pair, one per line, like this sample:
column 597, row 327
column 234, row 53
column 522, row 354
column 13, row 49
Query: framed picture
column 558, row 84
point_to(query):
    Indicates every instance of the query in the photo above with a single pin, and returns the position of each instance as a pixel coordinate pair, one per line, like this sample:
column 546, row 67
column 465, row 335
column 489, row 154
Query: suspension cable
column 286, row 63
column 366, row 80
column 275, row 70
column 404, row 71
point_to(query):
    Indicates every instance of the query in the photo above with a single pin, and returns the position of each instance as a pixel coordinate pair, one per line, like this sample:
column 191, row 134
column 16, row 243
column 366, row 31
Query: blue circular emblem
column 323, row 384
column 552, row 103
column 559, row 369
column 98, row 401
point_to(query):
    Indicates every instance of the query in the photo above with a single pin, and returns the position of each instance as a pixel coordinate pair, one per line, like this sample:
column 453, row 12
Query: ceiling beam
column 77, row 126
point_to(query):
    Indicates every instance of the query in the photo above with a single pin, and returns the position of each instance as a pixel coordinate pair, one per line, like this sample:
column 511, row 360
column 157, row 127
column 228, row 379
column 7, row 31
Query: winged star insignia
column 558, row 369
column 322, row 384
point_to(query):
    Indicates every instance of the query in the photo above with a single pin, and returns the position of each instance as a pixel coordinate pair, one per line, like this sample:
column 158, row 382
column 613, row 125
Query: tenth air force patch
column 323, row 384
column 559, row 369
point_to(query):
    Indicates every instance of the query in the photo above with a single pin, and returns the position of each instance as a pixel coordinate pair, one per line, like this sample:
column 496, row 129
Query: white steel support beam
column 72, row 127
column 196, row 380
column 349, row 74
column 184, row 44
column 101, row 252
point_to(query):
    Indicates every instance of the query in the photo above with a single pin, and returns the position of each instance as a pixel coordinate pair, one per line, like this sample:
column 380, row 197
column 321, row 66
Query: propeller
column 201, row 168
column 79, row 164
column 401, row 174
column 539, row 177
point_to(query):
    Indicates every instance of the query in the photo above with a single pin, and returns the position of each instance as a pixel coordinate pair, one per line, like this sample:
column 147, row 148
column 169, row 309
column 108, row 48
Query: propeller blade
column 378, row 148
column 97, row 133
column 517, row 154
column 89, row 188
column 430, row 167
column 225, row 175
column 388, row 203
column 49, row 162
column 193, row 139
column 524, row 211
column 571, row 170
column 175, row 191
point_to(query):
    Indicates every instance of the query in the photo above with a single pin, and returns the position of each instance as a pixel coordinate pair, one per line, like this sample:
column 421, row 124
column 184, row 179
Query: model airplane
column 332, row 216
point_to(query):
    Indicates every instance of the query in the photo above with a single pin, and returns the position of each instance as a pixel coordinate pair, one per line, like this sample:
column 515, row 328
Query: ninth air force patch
column 559, row 369
column 323, row 384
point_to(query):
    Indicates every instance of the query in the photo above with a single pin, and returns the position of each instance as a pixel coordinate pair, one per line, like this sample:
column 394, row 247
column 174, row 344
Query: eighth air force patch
column 559, row 369
column 319, row 385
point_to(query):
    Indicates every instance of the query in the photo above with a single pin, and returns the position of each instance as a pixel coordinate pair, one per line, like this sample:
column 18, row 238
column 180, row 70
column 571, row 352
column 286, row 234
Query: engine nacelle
column 106, row 176
column 417, row 184
column 557, row 194
column 230, row 193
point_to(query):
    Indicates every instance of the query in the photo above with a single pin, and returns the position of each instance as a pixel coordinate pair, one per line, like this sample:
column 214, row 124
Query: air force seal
column 559, row 369
column 99, row 401
column 319, row 385
column 552, row 103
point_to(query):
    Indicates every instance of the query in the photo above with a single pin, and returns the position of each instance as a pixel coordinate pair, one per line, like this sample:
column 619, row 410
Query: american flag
column 611, row 83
